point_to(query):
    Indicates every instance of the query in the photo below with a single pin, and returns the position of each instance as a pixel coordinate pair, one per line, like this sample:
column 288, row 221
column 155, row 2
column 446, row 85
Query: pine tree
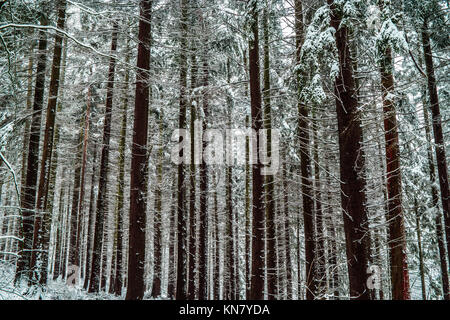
column 351, row 160
column 100, row 212
column 136, row 253
column 257, row 268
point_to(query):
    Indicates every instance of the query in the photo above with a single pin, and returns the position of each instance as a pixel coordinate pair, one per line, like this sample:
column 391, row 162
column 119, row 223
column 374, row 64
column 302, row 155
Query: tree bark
column 321, row 266
column 305, row 158
column 181, row 293
column 435, row 203
column 157, row 273
column 437, row 130
column 203, row 238
column 138, row 203
column 23, row 270
column 91, row 221
column 41, row 233
column 351, row 160
column 101, row 206
column 192, row 194
column 272, row 289
column 397, row 236
column 257, row 270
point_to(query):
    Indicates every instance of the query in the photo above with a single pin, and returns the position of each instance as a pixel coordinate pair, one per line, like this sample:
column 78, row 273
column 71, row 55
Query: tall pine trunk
column 192, row 186
column 41, row 234
column 269, row 181
column 181, row 293
column 351, row 160
column 437, row 130
column 435, row 202
column 138, row 203
column 118, row 280
column 23, row 270
column 101, row 206
column 397, row 236
column 305, row 158
column 257, row 270
column 203, row 237
column 157, row 273
column 90, row 222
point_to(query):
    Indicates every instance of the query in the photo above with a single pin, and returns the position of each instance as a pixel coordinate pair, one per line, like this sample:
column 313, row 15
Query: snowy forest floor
column 55, row 290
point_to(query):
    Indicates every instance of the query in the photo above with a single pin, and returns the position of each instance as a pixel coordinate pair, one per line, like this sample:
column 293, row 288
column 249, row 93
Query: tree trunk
column 172, row 243
column 181, row 213
column 41, row 234
column 118, row 280
column 157, row 273
column 203, row 238
column 437, row 130
column 353, row 197
column 269, row 183
column 435, row 203
column 91, row 221
column 26, row 131
column 23, row 270
column 59, row 218
column 74, row 214
column 216, row 285
column 257, row 270
column 287, row 230
column 307, row 192
column 138, row 203
column 103, row 177
column 321, row 267
column 419, row 244
column 80, row 203
column 192, row 194
column 247, row 193
column 397, row 236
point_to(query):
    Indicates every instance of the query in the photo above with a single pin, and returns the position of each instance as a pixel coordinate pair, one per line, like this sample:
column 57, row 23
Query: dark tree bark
column 216, row 286
column 26, row 131
column 101, row 206
column 91, row 221
column 305, row 158
column 41, row 233
column 172, row 243
column 441, row 159
column 230, row 271
column 192, row 186
column 257, row 271
column 119, row 272
column 247, row 192
column 157, row 273
column 181, row 293
column 331, row 238
column 435, row 203
column 272, row 290
column 23, row 270
column 75, row 219
column 287, row 230
column 80, row 204
column 419, row 247
column 397, row 236
column 59, row 232
column 351, row 160
column 321, row 266
column 53, row 171
column 203, row 237
column 138, row 203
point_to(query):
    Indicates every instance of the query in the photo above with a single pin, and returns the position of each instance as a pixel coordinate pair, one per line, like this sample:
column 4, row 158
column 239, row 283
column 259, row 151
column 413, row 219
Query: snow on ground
column 56, row 290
